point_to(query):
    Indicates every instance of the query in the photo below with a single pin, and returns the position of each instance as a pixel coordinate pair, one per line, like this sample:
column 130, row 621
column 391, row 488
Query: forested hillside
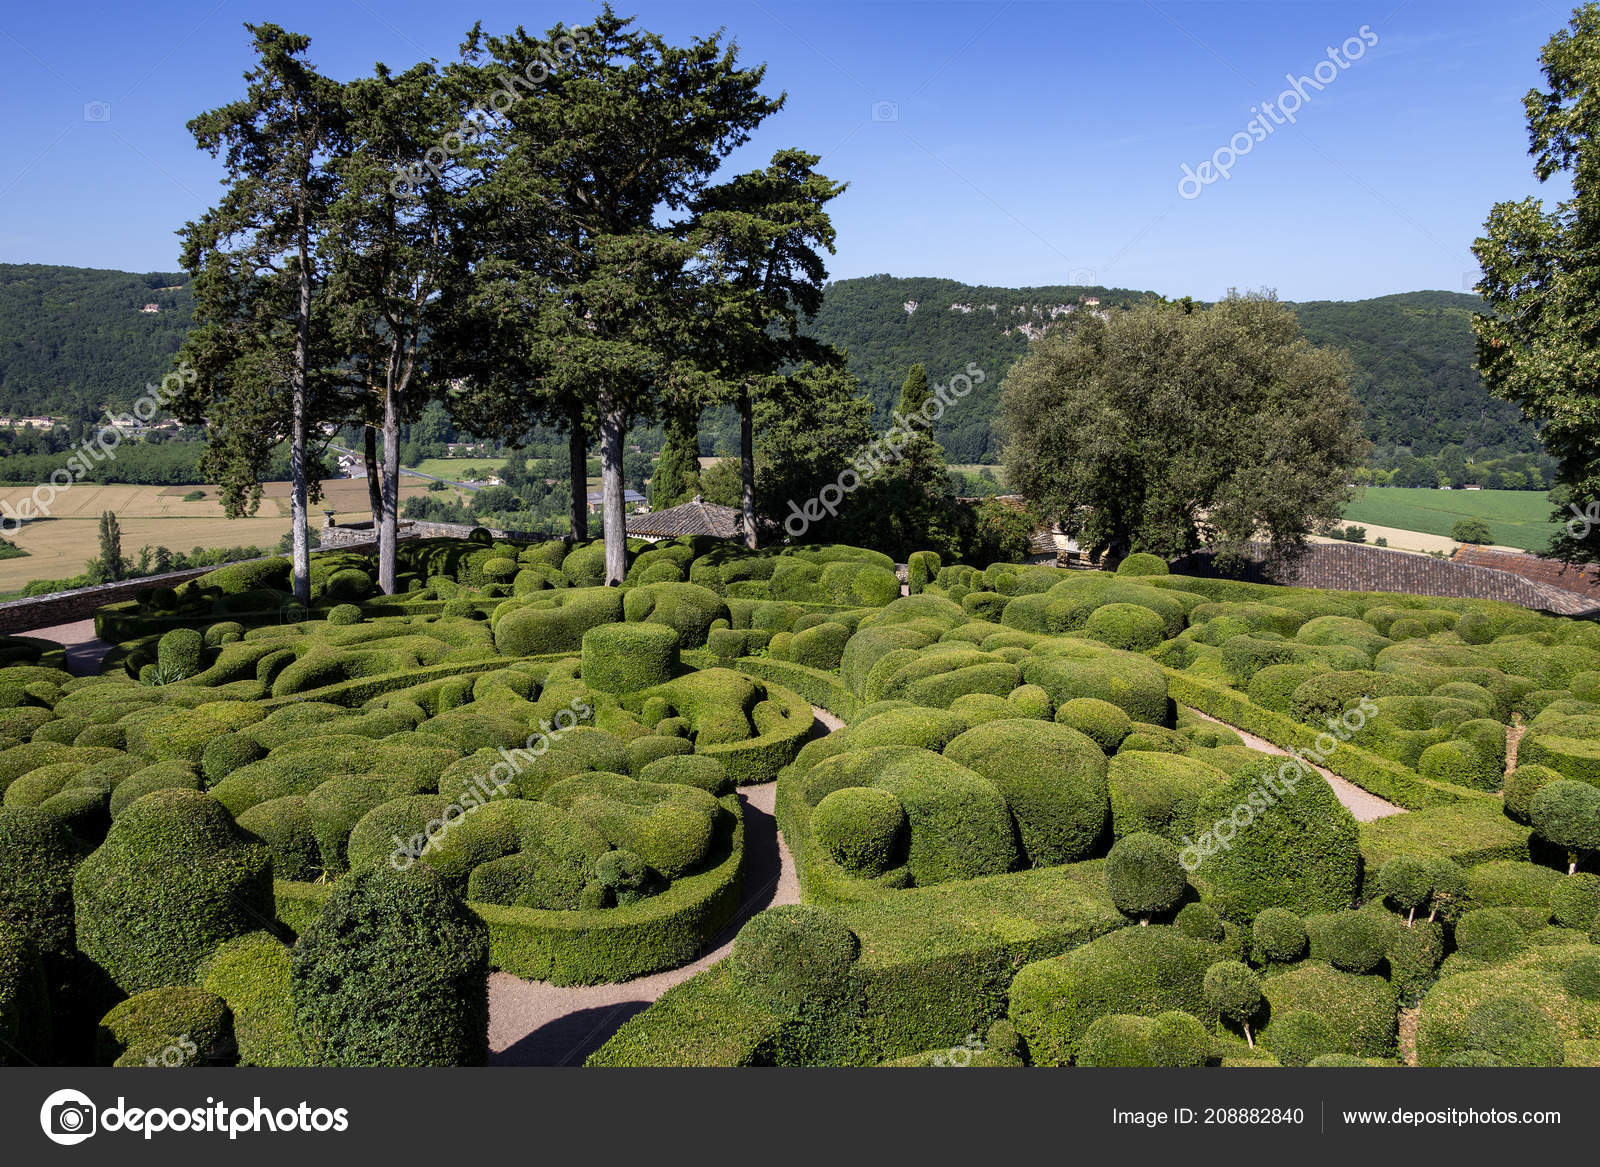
column 1413, row 356
column 73, row 340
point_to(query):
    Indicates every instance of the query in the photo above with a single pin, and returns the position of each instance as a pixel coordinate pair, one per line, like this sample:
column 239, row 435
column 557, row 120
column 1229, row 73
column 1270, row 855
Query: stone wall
column 1354, row 567
column 358, row 533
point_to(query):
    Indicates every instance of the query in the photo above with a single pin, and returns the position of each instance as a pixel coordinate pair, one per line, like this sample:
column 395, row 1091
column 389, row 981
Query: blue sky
column 1021, row 143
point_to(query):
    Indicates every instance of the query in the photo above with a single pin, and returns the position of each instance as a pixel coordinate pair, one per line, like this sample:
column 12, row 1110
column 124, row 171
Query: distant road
column 415, row 473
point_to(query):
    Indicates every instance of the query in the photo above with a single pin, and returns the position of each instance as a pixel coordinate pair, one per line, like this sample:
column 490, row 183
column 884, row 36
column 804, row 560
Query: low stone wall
column 24, row 615
column 1353, row 567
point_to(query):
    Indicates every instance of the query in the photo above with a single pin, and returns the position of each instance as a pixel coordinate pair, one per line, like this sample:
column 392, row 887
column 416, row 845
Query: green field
column 1517, row 518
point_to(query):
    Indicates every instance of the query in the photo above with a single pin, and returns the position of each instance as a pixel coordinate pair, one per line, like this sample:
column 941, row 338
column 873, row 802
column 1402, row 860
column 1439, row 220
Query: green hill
column 74, row 340
column 1413, row 355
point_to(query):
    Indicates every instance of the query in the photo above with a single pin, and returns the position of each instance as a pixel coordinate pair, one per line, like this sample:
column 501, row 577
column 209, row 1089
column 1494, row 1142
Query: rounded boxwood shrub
column 1575, row 901
column 1522, row 784
column 1117, row 1040
column 1234, row 993
column 628, row 658
column 1125, row 626
column 1300, row 1036
column 792, row 956
column 698, row 770
column 1201, row 922
column 1488, row 935
column 1144, row 877
column 285, row 826
column 226, row 752
column 1355, row 941
column 1582, row 978
column 1300, row 851
column 342, row 614
column 1135, row 683
column 959, row 824
column 1053, row 779
column 1032, row 701
column 1102, row 722
column 348, row 585
column 1143, row 563
column 1155, row 791
column 1178, row 1039
column 1406, row 882
column 174, row 878
column 1514, row 1031
column 180, row 653
column 37, row 858
column 175, row 1025
column 820, row 646
column 160, row 776
column 393, row 972
column 1414, row 956
column 1568, row 814
column 862, row 829
column 1278, row 936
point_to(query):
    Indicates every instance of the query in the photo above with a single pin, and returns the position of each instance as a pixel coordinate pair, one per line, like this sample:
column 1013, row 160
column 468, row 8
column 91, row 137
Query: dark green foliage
column 1233, row 992
column 177, row 1025
column 1179, row 1039
column 1278, row 936
column 1135, row 684
column 1299, row 851
column 687, row 608
column 793, row 956
column 862, row 829
column 1575, row 901
column 1131, row 970
column 1117, row 1039
column 343, row 615
column 1141, row 563
column 393, row 972
column 627, row 658
column 25, row 1015
column 37, row 860
column 1158, row 792
column 1488, row 935
column 1582, row 978
column 1568, row 814
column 226, row 752
column 1354, row 941
column 1143, row 876
column 1406, row 882
column 1125, row 626
column 286, row 826
column 1201, row 922
column 689, row 770
column 531, row 630
column 180, row 653
column 1522, row 784
column 1414, row 955
column 1360, row 1011
column 1514, row 1031
column 960, row 827
column 160, row 776
column 174, row 879
column 252, row 975
column 1300, row 1036
column 1052, row 778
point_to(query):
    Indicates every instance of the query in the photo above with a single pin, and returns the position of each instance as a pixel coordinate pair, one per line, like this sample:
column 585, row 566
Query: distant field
column 451, row 468
column 59, row 547
column 1517, row 518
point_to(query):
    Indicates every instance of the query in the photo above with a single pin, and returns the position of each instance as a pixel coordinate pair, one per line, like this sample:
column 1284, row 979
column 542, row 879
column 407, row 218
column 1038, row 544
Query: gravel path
column 533, row 1023
column 1364, row 806
column 84, row 650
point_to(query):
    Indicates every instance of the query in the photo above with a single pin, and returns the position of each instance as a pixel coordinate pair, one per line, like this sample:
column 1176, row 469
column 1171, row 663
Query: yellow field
column 60, row 546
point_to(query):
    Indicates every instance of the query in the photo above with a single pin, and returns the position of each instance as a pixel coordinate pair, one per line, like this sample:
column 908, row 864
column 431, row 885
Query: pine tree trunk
column 298, row 426
column 389, row 494
column 578, row 455
column 612, row 425
column 747, row 466
column 374, row 487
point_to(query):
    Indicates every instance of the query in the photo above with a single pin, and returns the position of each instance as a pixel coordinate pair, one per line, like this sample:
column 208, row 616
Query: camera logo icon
column 293, row 612
column 68, row 1117
column 96, row 111
column 885, row 111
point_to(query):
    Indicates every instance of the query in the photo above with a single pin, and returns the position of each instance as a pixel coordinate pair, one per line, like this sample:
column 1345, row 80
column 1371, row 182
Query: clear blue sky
column 1020, row 143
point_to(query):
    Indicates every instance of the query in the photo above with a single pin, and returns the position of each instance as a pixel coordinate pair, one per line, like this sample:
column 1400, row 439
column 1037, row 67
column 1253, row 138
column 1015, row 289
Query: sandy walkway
column 84, row 651
column 1365, row 807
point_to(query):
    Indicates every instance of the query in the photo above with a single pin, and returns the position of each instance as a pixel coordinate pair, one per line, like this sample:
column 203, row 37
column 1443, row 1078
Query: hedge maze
column 273, row 836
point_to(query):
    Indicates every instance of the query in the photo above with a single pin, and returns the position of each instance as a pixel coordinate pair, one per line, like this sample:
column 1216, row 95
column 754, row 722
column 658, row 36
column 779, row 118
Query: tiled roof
column 695, row 517
column 1584, row 579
